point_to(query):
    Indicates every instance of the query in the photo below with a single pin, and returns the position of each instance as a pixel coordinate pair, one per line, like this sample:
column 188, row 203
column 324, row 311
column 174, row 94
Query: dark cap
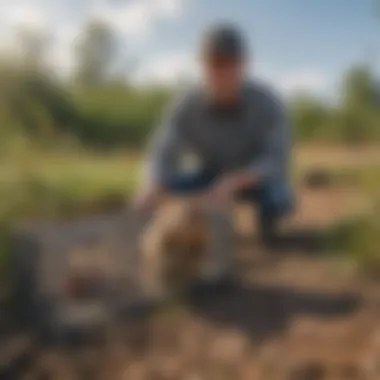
column 224, row 40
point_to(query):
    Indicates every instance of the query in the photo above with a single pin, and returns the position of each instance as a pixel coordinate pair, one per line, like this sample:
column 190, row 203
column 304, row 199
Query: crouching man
column 236, row 132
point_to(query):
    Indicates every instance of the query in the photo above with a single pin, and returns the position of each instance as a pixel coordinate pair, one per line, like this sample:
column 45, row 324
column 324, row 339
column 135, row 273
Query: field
column 64, row 184
column 70, row 185
column 310, row 308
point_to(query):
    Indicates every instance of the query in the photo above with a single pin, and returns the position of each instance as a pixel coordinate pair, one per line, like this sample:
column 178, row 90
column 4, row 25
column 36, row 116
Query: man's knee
column 273, row 199
column 276, row 199
column 183, row 184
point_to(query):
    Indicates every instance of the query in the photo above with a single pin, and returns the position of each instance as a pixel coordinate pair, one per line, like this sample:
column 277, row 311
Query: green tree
column 359, row 87
column 359, row 112
column 97, row 54
column 116, row 114
column 310, row 117
column 33, row 45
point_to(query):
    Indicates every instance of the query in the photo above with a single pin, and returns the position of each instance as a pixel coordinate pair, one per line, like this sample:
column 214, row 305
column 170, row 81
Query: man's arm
column 274, row 157
column 164, row 148
column 164, row 152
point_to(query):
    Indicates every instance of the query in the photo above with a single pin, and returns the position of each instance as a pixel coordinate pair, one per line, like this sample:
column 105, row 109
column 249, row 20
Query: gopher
column 174, row 247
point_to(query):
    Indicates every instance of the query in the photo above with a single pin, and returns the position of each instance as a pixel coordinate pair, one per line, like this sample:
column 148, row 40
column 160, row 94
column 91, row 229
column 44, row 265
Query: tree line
column 98, row 106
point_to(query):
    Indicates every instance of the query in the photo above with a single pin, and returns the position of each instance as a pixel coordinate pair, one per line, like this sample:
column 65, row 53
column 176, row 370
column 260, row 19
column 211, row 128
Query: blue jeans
column 274, row 198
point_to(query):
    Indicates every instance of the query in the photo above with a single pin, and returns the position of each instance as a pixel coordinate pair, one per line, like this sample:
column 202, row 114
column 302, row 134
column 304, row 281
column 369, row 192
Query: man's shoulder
column 189, row 98
column 253, row 88
column 264, row 95
column 257, row 93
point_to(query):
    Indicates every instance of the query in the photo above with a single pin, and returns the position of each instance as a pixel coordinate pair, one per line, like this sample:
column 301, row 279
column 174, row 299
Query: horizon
column 297, row 47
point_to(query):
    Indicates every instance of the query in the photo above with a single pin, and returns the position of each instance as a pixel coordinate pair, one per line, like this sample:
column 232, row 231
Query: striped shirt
column 253, row 135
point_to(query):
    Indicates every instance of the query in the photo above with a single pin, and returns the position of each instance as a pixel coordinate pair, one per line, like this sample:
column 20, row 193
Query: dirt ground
column 299, row 314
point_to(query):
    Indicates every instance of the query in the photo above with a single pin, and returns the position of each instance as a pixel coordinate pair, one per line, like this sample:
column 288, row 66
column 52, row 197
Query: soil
column 298, row 314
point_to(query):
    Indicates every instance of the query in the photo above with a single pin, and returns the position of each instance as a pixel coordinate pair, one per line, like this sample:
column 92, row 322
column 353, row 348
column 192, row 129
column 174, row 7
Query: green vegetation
column 354, row 119
column 59, row 136
column 363, row 240
column 51, row 186
column 359, row 236
column 99, row 107
column 56, row 185
column 359, row 240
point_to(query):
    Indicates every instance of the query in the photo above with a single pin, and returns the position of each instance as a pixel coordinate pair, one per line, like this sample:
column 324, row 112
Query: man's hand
column 225, row 189
column 147, row 199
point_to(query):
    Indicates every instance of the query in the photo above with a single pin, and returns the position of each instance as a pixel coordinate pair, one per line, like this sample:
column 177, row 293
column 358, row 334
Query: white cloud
column 137, row 18
column 27, row 15
column 23, row 13
column 168, row 68
column 309, row 80
column 20, row 14
column 62, row 55
column 133, row 20
column 169, row 7
column 289, row 83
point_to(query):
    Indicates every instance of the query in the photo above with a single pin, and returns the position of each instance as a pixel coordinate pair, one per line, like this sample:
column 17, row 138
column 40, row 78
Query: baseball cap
column 225, row 41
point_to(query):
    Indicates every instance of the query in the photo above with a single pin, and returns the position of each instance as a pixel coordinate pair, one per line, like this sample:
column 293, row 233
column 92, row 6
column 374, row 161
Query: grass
column 359, row 240
column 54, row 186
column 62, row 185
column 359, row 237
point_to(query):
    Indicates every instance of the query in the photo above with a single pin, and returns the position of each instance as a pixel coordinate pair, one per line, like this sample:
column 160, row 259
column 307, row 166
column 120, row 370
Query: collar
column 232, row 107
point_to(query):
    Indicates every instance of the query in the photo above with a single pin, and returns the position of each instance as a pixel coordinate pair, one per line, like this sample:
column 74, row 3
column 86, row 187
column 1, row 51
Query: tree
column 359, row 114
column 310, row 117
column 97, row 54
column 359, row 87
column 33, row 45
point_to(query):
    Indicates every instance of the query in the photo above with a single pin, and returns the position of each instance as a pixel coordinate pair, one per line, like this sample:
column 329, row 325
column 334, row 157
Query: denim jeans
column 274, row 198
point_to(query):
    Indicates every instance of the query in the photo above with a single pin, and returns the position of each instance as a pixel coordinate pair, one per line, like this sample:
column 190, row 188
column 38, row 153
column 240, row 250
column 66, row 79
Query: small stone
column 351, row 372
column 250, row 370
column 229, row 347
column 191, row 338
column 135, row 371
column 194, row 376
column 308, row 371
column 172, row 368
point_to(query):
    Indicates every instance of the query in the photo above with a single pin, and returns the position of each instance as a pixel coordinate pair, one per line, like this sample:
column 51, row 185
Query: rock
column 195, row 340
column 250, row 369
column 229, row 347
column 171, row 368
column 318, row 348
column 136, row 371
column 308, row 371
column 318, row 178
column 17, row 354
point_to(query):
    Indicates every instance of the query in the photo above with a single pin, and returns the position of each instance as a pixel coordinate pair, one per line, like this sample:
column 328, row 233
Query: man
column 237, row 131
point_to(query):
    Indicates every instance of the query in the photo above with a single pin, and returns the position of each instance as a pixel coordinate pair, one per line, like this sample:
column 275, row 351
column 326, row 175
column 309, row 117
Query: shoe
column 269, row 233
column 271, row 242
column 222, row 286
column 226, row 284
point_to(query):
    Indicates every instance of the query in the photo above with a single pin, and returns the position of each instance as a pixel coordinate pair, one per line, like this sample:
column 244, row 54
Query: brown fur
column 174, row 246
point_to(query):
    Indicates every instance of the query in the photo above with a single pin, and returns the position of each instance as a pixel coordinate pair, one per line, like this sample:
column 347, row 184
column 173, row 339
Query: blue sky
column 297, row 44
column 292, row 40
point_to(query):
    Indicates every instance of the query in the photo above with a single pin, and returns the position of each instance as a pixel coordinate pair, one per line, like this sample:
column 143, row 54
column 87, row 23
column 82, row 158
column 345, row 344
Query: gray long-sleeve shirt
column 254, row 135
